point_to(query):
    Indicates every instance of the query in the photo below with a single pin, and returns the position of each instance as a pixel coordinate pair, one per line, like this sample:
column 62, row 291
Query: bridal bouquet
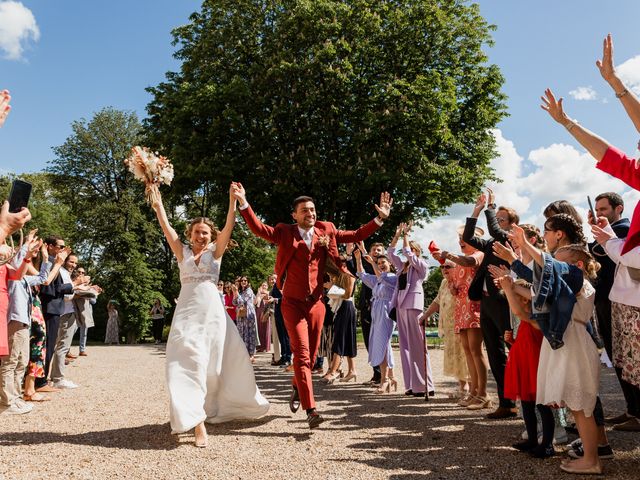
column 151, row 169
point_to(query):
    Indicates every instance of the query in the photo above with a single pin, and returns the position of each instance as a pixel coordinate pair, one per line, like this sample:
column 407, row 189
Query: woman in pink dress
column 467, row 321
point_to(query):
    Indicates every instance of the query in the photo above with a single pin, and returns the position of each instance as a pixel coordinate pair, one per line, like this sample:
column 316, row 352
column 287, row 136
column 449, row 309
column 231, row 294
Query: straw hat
column 478, row 231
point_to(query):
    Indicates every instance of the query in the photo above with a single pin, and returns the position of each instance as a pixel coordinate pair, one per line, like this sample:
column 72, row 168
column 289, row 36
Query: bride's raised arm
column 222, row 240
column 169, row 232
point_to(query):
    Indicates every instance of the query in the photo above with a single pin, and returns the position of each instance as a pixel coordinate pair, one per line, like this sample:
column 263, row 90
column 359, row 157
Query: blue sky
column 81, row 56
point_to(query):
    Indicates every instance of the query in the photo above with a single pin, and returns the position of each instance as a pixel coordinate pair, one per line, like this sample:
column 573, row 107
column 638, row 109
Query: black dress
column 344, row 330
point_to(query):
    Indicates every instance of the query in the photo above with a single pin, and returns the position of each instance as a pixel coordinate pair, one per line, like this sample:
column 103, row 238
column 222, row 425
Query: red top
column 617, row 163
column 302, row 269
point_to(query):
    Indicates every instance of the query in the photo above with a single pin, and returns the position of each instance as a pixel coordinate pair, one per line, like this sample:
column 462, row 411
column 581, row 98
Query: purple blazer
column 412, row 297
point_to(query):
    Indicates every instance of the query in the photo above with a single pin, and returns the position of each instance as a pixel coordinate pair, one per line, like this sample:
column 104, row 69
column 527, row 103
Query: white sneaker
column 64, row 383
column 18, row 408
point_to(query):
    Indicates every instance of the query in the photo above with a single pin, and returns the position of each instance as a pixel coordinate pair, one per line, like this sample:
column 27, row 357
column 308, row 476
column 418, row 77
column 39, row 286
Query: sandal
column 329, row 378
column 36, row 397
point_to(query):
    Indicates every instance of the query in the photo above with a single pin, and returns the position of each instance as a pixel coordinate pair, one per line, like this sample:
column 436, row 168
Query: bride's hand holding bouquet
column 151, row 169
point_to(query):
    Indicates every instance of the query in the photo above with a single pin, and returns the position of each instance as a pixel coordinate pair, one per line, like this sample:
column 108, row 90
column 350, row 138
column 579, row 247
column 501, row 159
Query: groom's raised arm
column 258, row 228
column 365, row 231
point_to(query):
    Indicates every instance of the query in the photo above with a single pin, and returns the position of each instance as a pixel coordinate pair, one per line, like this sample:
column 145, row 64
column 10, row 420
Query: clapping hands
column 602, row 231
column 504, row 252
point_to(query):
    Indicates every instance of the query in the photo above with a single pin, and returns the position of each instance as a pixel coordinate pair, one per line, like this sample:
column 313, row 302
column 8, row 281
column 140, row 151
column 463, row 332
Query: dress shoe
column 70, row 356
column 289, row 368
column 294, row 400
column 631, row 425
column 408, row 392
column 525, row 446
column 418, row 394
column 502, row 412
column 82, row 354
column 619, row 419
column 432, row 393
column 540, row 451
column 314, row 419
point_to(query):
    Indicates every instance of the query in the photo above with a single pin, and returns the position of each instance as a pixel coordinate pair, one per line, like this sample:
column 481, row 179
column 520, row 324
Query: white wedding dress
column 209, row 374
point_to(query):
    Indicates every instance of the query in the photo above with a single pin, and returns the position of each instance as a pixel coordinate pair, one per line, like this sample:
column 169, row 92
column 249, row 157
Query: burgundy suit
column 300, row 277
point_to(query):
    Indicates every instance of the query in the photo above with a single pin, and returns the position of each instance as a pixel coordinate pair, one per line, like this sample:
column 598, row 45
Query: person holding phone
column 5, row 108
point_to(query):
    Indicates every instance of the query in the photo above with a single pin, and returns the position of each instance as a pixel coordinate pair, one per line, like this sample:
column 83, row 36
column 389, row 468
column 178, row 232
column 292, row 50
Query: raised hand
column 491, row 197
column 156, row 197
column 408, row 227
column 62, row 255
column 601, row 232
column 239, row 192
column 517, row 236
column 350, row 247
column 10, row 222
column 504, row 252
column 505, row 282
column 31, row 235
column 605, row 66
column 384, row 209
column 553, row 107
column 369, row 259
column 498, row 271
column 5, row 108
column 481, row 203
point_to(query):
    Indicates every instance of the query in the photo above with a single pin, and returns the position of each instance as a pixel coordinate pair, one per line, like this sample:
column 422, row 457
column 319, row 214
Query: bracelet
column 622, row 93
column 570, row 124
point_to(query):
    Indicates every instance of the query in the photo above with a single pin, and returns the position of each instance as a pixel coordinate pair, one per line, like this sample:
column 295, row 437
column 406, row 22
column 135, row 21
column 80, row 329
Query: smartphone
column 19, row 196
column 593, row 212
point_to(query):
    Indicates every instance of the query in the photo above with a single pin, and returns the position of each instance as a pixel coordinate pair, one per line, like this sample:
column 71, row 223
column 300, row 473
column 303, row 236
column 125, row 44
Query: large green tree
column 115, row 232
column 338, row 99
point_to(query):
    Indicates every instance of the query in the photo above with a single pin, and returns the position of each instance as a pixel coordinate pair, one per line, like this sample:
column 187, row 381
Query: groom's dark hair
column 301, row 199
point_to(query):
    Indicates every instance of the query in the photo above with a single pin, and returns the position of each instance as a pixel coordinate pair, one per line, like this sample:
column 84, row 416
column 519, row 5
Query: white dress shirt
column 307, row 236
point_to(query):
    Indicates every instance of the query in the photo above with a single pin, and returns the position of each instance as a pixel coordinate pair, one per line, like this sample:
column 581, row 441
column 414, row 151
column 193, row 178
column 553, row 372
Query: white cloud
column 554, row 172
column 584, row 93
column 629, row 72
column 17, row 27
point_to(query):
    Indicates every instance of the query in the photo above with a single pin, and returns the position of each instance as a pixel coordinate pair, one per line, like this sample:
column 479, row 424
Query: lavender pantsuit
column 409, row 304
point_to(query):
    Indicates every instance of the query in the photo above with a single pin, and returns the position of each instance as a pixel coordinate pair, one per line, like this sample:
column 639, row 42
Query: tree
column 115, row 231
column 337, row 99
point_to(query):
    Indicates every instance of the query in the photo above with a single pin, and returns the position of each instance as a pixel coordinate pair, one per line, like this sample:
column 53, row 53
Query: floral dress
column 38, row 345
column 467, row 312
column 247, row 326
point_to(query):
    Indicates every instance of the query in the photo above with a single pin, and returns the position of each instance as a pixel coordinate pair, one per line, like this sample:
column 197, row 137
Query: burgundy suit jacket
column 287, row 238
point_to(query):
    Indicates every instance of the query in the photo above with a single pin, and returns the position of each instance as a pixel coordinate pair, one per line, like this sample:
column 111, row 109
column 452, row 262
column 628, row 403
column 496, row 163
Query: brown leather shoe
column 289, row 368
column 70, row 356
column 631, row 425
column 83, row 354
column 503, row 412
column 622, row 418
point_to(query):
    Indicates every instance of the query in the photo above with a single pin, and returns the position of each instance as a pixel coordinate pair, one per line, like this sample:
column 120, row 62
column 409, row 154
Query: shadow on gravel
column 434, row 439
column 144, row 437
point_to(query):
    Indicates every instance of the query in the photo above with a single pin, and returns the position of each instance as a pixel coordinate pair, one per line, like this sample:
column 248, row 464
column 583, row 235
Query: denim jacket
column 555, row 287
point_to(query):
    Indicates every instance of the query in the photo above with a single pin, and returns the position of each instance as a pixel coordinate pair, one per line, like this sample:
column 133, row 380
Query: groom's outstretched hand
column 384, row 209
column 239, row 193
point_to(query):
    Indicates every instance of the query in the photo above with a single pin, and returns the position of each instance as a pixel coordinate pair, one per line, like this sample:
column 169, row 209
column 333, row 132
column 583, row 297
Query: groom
column 303, row 250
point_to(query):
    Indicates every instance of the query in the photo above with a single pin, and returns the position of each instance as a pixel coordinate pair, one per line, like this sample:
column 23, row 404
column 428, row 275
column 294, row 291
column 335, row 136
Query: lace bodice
column 208, row 269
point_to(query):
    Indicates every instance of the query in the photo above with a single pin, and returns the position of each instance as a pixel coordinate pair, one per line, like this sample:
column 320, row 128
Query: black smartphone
column 593, row 212
column 19, row 196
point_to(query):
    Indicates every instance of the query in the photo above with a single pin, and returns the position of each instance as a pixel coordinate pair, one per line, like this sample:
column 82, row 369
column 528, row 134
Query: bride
column 209, row 375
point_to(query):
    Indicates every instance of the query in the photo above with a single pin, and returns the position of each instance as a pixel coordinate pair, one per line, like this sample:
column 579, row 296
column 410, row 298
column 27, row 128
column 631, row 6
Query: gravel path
column 116, row 426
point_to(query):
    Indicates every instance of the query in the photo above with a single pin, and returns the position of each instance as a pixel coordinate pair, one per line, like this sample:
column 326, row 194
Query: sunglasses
column 446, row 267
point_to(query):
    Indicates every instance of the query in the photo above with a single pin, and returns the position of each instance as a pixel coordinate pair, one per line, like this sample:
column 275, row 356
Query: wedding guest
column 83, row 302
column 68, row 324
column 611, row 206
column 365, row 298
column 221, row 290
column 454, row 361
column 112, row 335
column 264, row 325
column 521, row 372
column 562, row 206
column 269, row 311
column 341, row 304
column 382, row 284
column 494, row 309
column 408, row 301
column 229, row 307
column 246, row 315
column 625, row 315
column 283, row 335
column 467, row 320
column 157, row 319
column 52, row 294
column 15, row 311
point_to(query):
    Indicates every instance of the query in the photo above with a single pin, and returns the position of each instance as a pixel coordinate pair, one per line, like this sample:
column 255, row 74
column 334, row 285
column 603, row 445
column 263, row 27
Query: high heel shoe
column 385, row 387
column 330, row 378
column 393, row 383
column 349, row 376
